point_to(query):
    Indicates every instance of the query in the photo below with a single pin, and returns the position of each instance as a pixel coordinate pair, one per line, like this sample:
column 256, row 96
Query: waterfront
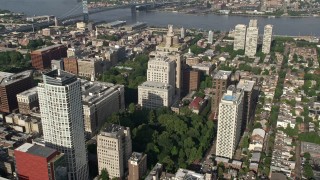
column 282, row 26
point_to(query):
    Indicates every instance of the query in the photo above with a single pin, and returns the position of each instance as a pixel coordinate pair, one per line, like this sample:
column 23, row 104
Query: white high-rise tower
column 62, row 120
column 239, row 37
column 252, row 39
column 210, row 37
column 229, row 122
column 267, row 38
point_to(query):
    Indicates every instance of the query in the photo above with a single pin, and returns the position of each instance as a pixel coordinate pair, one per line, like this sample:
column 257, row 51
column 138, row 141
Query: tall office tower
column 210, row 37
column 249, row 100
column 10, row 86
column 267, row 38
column 137, row 166
column 183, row 33
column 38, row 162
column 239, row 37
column 252, row 39
column 114, row 149
column 169, row 37
column 162, row 69
column 62, row 120
column 229, row 124
column 221, row 80
column 96, row 100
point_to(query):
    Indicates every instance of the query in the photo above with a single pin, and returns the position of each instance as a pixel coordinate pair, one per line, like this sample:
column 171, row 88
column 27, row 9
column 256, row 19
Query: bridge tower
column 85, row 11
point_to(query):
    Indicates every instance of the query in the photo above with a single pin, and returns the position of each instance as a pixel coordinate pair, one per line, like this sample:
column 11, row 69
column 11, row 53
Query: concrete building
column 155, row 94
column 62, row 120
column 41, row 58
column 100, row 100
column 221, row 80
column 38, row 163
column 57, row 64
column 229, row 122
column 162, row 69
column 183, row 174
column 114, row 149
column 155, row 173
column 239, row 37
column 137, row 164
column 71, row 65
column 91, row 66
column 250, row 99
column 27, row 100
column 47, row 32
column 252, row 39
column 267, row 39
column 12, row 85
column 171, row 43
column 73, row 52
column 24, row 123
column 210, row 37
column 182, row 32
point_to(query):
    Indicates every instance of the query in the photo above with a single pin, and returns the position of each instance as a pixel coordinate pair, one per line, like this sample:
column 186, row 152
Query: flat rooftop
column 29, row 92
column 4, row 75
column 222, row 74
column 15, row 77
column 58, row 77
column 36, row 150
column 112, row 130
column 232, row 95
column 155, row 85
column 136, row 156
column 188, row 175
column 48, row 48
column 246, row 85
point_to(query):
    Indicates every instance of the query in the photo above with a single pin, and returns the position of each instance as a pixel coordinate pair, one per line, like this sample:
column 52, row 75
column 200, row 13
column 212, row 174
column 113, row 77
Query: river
column 282, row 26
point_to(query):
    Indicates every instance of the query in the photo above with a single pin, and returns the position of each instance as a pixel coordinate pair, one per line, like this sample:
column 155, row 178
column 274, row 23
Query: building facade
column 191, row 80
column 27, row 100
column 71, row 65
column 267, row 39
column 114, row 149
column 91, row 67
column 229, row 123
column 41, row 58
column 137, row 164
column 62, row 120
column 221, row 80
column 100, row 100
column 239, row 37
column 38, row 163
column 251, row 39
column 11, row 86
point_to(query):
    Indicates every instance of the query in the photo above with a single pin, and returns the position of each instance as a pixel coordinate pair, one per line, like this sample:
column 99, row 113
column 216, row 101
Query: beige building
column 114, row 149
column 27, row 100
column 91, row 66
column 137, row 166
column 99, row 101
column 267, row 38
column 23, row 123
column 252, row 39
column 239, row 37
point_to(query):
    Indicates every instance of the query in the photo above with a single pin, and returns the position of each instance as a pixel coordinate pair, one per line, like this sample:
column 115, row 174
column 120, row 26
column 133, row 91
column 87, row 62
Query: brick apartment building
column 41, row 58
column 71, row 65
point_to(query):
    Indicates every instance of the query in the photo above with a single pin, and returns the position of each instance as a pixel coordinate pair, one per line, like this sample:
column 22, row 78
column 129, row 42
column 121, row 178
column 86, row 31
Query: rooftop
column 48, row 48
column 155, row 85
column 112, row 130
column 36, row 150
column 15, row 77
column 29, row 92
column 185, row 174
column 222, row 74
column 232, row 95
column 4, row 75
column 58, row 77
column 246, row 85
column 136, row 156
column 157, row 169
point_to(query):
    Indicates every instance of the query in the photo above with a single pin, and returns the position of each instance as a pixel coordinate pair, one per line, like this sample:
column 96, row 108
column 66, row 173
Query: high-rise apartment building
column 229, row 123
column 252, row 39
column 62, row 120
column 183, row 33
column 12, row 85
column 221, row 80
column 38, row 163
column 100, row 100
column 239, row 37
column 250, row 97
column 41, row 58
column 191, row 80
column 267, row 38
column 137, row 166
column 210, row 37
column 114, row 149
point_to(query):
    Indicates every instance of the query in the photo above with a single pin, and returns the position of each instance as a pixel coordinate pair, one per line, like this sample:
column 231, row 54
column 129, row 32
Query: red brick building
column 11, row 86
column 41, row 58
column 191, row 80
column 35, row 162
column 71, row 65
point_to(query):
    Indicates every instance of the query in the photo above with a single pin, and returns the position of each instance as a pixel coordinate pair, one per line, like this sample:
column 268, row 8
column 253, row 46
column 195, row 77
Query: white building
column 114, row 148
column 267, row 38
column 210, row 37
column 62, row 120
column 239, row 37
column 229, row 122
column 155, row 94
column 251, row 39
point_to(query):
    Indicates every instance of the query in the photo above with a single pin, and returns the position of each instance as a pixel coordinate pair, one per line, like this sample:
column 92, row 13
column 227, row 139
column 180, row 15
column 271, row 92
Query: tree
column 307, row 156
column 132, row 107
column 104, row 175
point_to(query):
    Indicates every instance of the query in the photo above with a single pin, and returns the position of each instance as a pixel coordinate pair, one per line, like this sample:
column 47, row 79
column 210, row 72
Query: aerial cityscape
column 159, row 90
